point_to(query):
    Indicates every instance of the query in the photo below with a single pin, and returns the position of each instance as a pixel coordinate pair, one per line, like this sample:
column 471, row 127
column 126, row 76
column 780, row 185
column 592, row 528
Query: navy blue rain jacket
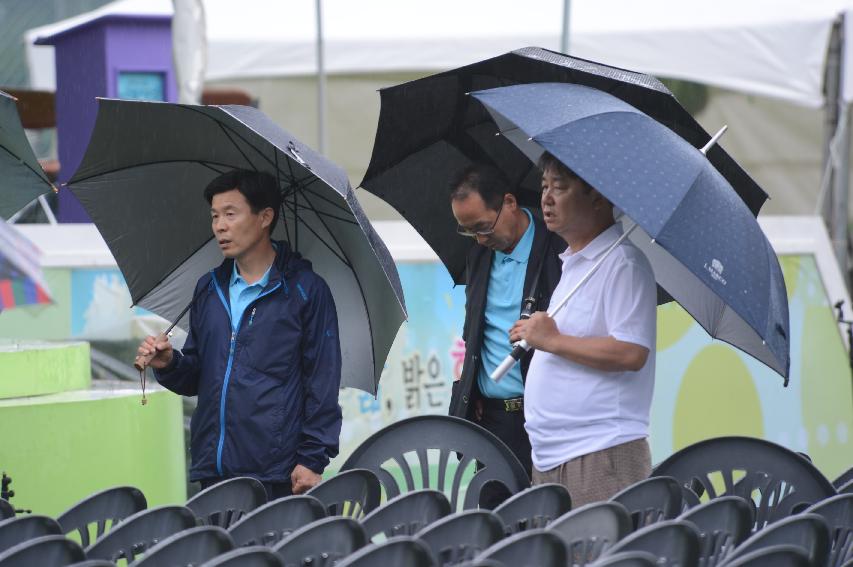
column 267, row 393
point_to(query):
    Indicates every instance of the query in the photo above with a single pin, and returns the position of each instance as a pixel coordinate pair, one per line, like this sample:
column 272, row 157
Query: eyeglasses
column 462, row 231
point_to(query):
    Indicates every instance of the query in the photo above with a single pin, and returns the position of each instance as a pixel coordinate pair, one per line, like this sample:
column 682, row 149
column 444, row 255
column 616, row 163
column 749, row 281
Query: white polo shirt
column 571, row 409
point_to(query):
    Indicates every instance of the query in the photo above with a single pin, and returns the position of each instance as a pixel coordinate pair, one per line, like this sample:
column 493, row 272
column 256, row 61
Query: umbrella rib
column 278, row 180
column 169, row 273
column 342, row 257
column 327, row 215
column 326, row 199
column 25, row 164
column 237, row 147
column 143, row 164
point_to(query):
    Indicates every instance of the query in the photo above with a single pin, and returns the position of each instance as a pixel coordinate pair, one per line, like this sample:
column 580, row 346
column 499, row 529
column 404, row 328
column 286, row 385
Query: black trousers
column 508, row 426
column 275, row 490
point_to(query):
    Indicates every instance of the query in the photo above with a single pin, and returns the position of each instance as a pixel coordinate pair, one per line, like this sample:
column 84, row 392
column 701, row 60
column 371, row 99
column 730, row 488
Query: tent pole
column 831, row 88
column 564, row 37
column 841, row 161
column 321, row 82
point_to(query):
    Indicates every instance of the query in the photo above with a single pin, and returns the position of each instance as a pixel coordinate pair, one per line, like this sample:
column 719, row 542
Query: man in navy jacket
column 262, row 353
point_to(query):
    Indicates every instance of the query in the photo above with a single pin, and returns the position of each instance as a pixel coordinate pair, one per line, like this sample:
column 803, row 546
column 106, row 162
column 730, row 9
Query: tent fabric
column 773, row 48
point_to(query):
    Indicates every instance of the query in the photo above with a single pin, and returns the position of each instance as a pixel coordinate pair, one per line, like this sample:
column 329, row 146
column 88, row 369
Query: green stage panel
column 60, row 448
column 35, row 369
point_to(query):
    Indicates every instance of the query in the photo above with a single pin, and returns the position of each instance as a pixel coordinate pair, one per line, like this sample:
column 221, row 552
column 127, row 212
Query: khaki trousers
column 598, row 476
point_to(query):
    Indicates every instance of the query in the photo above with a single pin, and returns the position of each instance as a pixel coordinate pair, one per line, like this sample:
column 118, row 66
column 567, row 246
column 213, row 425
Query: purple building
column 116, row 56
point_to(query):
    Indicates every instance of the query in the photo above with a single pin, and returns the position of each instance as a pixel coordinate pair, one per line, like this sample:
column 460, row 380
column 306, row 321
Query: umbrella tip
column 62, row 185
column 714, row 139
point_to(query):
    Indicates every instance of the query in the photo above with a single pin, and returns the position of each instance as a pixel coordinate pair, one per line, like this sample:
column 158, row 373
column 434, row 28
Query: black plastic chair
column 723, row 523
column 453, row 438
column 651, row 500
column 627, row 559
column 846, row 488
column 94, row 563
column 784, row 481
column 808, row 531
column 773, row 556
column 111, row 505
column 140, row 532
column 273, row 521
column 530, row 548
column 843, row 478
column 252, row 556
column 321, row 543
column 352, row 493
column 672, row 542
column 225, row 503
column 837, row 512
column 462, row 536
column 406, row 514
column 592, row 529
column 6, row 510
column 534, row 507
column 18, row 530
column 46, row 551
column 189, row 547
column 402, row 551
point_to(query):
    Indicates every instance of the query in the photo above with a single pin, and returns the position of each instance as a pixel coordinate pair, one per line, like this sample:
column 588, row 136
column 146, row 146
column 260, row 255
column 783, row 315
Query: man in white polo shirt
column 589, row 386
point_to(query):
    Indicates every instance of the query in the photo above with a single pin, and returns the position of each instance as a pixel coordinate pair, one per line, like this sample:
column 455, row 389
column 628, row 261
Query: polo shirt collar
column 598, row 245
column 521, row 252
column 235, row 277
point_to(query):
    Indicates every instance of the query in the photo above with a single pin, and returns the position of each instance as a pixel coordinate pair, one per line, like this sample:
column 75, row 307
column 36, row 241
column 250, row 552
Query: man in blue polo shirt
column 262, row 353
column 515, row 258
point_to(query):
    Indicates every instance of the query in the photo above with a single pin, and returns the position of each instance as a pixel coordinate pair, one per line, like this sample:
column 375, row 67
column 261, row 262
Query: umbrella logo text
column 716, row 271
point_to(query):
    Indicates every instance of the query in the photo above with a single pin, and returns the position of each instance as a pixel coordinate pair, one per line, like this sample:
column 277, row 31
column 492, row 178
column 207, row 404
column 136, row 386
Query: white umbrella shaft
column 521, row 347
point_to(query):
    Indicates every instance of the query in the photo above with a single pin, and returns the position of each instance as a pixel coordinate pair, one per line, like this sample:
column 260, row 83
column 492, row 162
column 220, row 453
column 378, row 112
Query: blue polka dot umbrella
column 704, row 244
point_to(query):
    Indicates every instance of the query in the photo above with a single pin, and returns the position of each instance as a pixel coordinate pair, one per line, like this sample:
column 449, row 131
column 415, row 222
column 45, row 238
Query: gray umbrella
column 142, row 182
column 23, row 177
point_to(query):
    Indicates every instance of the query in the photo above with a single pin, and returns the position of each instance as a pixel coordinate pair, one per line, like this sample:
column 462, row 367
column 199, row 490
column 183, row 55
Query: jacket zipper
column 231, row 348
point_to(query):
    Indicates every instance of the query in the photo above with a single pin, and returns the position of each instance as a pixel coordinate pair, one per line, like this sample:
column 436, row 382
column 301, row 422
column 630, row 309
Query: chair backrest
column 45, row 551
column 651, row 500
column 530, row 548
column 189, row 547
column 843, row 478
column 18, row 530
column 462, row 536
column 406, row 514
column 352, row 493
column 273, row 521
column 809, row 531
column 784, row 555
column 140, row 532
column 252, row 556
column 401, row 551
column 779, row 480
column 675, row 543
column 837, row 512
column 591, row 529
column 321, row 543
column 723, row 523
column 94, row 563
column 111, row 505
column 846, row 488
column 628, row 559
column 450, row 445
column 224, row 503
column 6, row 509
column 534, row 507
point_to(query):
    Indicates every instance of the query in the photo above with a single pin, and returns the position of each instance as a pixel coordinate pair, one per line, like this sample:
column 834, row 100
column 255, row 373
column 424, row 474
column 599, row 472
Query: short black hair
column 259, row 188
column 549, row 161
column 486, row 180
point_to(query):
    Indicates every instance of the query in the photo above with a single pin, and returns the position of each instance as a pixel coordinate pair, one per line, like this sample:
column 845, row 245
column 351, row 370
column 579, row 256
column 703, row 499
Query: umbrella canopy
column 428, row 129
column 23, row 177
column 21, row 280
column 142, row 181
column 704, row 244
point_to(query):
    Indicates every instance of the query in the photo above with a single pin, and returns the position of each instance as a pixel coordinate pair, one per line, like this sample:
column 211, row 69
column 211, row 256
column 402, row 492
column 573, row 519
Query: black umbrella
column 430, row 128
column 23, row 179
column 142, row 182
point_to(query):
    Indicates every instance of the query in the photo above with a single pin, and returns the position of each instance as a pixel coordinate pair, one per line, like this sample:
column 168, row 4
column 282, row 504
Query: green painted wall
column 34, row 369
column 61, row 448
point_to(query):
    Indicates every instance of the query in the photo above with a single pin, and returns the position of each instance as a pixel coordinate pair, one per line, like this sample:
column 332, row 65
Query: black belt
column 510, row 405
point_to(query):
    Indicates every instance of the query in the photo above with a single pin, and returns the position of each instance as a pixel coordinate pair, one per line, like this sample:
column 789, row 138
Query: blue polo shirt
column 503, row 306
column 241, row 294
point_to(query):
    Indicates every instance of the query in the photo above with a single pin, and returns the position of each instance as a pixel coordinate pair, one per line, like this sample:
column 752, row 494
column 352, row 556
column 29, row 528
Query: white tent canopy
column 774, row 48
